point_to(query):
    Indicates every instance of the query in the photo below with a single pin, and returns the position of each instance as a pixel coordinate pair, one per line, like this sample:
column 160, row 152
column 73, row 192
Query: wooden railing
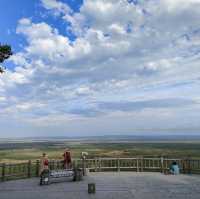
column 19, row 170
column 139, row 164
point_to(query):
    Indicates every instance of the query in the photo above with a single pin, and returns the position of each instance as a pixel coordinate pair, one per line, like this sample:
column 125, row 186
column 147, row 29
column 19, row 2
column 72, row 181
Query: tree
column 5, row 53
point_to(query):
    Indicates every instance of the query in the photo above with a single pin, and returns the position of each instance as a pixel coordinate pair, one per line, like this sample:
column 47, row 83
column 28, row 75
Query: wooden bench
column 47, row 176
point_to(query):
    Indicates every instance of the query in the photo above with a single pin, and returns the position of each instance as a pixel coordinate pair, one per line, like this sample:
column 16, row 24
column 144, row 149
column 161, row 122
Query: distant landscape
column 23, row 149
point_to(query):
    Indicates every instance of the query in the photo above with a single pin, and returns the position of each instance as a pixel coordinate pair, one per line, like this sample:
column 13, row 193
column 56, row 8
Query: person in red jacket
column 44, row 168
column 67, row 159
column 44, row 163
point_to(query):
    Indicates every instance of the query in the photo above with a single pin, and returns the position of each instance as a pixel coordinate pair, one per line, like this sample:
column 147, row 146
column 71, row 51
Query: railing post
column 95, row 164
column 3, row 172
column 183, row 165
column 29, row 169
column 84, row 165
column 37, row 169
column 142, row 162
column 118, row 165
column 57, row 164
column 137, row 165
column 99, row 164
column 162, row 165
column 189, row 166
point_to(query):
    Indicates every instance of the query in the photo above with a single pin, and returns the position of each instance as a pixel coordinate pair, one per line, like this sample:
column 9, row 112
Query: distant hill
column 106, row 138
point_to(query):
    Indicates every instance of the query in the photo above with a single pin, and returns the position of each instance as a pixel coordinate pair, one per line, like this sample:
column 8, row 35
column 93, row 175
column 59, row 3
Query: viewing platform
column 109, row 185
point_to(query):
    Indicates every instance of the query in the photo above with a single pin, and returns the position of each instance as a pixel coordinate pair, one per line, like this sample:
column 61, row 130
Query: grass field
column 32, row 150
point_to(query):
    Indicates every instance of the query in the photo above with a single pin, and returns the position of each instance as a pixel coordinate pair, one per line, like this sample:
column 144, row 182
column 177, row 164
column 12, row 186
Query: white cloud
column 56, row 5
column 121, row 52
column 17, row 77
column 174, row 6
column 45, row 42
column 83, row 90
column 117, row 29
column 2, row 99
column 29, row 105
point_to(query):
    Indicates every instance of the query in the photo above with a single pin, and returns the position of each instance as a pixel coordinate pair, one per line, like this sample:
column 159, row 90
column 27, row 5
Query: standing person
column 67, row 159
column 44, row 169
column 44, row 163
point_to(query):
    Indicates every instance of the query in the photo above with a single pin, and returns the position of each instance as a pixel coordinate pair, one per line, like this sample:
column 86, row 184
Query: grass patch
column 32, row 151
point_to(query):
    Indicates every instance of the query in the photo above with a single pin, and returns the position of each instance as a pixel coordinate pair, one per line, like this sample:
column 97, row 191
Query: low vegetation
column 18, row 152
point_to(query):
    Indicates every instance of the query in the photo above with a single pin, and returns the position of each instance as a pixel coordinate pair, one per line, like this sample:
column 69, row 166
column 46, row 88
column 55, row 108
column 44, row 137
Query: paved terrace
column 122, row 185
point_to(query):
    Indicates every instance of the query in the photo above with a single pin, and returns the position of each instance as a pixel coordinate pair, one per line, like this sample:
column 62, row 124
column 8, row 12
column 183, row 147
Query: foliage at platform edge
column 5, row 53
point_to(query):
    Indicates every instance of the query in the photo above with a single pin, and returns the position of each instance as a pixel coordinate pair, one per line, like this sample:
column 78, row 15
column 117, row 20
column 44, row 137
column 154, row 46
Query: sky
column 100, row 67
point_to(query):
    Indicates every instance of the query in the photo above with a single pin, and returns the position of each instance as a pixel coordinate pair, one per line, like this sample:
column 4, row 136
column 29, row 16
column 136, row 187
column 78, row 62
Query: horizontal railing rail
column 30, row 169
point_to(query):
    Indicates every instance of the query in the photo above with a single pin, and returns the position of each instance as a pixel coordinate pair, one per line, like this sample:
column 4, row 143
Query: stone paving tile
column 122, row 185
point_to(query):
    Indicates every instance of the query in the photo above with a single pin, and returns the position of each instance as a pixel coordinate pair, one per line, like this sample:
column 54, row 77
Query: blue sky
column 13, row 11
column 99, row 67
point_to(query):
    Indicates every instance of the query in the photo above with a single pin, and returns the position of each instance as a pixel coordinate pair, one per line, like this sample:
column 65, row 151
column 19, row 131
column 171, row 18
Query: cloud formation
column 123, row 57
